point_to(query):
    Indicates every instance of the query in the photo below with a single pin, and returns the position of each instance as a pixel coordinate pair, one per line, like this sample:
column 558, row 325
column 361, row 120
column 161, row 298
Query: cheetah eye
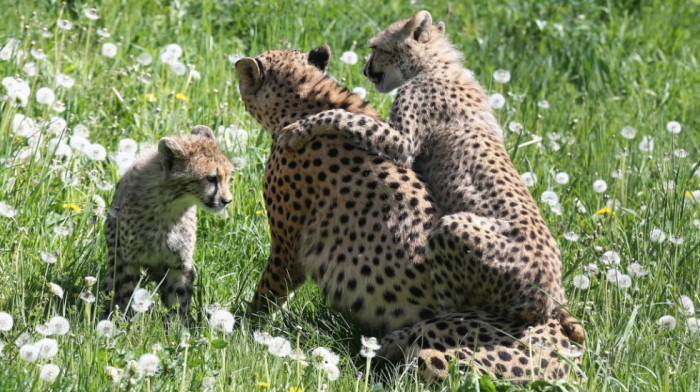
column 213, row 179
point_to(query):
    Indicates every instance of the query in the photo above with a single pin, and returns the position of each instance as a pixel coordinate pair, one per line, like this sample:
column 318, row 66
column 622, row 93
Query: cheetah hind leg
column 572, row 327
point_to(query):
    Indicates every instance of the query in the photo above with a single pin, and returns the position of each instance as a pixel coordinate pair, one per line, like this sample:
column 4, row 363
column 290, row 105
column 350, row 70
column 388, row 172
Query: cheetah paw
column 292, row 137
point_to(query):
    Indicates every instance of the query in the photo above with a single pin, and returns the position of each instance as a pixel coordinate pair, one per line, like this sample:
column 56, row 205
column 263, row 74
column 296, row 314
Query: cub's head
column 279, row 87
column 405, row 49
column 196, row 169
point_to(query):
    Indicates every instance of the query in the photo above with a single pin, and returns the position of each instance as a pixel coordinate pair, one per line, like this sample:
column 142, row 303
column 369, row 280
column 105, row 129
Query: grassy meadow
column 600, row 113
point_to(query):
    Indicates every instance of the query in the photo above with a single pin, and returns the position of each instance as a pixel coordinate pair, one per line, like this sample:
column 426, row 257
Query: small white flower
column 129, row 146
column 581, row 282
column 223, row 321
column 148, row 365
column 47, row 347
column 64, row 24
column 141, row 300
column 687, row 305
column 325, row 356
column 647, row 144
column 667, row 322
column 31, row 69
column 115, row 374
column 87, row 296
column 23, row 126
column 168, row 58
column 96, row 152
column 544, row 104
column 370, row 346
column 38, row 54
column 680, row 153
column 262, row 337
column 58, row 106
column 195, row 75
column 178, row 68
column 657, row 236
column 144, row 58
column 515, row 127
column 65, row 80
column 91, row 13
column 349, row 57
column 105, row 328
column 56, row 290
column 6, row 322
column 360, row 92
column 497, row 101
column 600, row 186
column 59, row 325
column 628, row 132
column 332, row 371
column 79, row 143
column 18, row 90
column 56, row 125
column 675, row 239
column 529, row 178
column 102, row 32
column 29, row 353
column 674, row 127
column 549, row 197
column 174, row 49
column 501, row 76
column 693, row 325
column 91, row 280
column 6, row 210
column 49, row 373
column 109, row 50
column 45, row 96
column 610, row 258
column 636, row 270
column 82, row 131
column 562, row 178
column 279, row 347
column 624, row 281
column 571, row 236
column 613, row 275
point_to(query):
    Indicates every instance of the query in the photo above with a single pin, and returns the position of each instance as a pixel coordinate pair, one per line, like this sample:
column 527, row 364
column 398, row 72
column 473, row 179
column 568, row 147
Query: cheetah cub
column 492, row 248
column 152, row 221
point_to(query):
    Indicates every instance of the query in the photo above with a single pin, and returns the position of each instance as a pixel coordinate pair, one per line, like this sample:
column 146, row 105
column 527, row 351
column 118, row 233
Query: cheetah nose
column 226, row 202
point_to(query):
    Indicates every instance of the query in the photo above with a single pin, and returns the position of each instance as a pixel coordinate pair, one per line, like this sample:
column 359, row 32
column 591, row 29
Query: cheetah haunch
column 152, row 221
column 358, row 226
column 491, row 248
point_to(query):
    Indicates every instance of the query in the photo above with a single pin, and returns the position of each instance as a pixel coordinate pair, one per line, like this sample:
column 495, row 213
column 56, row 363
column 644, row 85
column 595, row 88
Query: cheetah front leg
column 176, row 288
column 120, row 280
column 372, row 135
column 281, row 277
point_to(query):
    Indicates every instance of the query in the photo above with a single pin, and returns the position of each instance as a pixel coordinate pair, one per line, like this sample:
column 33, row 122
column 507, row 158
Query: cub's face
column 399, row 51
column 197, row 169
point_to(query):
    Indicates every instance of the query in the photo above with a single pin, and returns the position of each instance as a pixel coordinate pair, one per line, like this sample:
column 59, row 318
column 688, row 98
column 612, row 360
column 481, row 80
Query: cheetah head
column 194, row 165
column 405, row 49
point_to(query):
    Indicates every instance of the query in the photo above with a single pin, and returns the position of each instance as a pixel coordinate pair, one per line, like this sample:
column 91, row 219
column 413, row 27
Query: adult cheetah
column 358, row 225
column 491, row 248
column 152, row 220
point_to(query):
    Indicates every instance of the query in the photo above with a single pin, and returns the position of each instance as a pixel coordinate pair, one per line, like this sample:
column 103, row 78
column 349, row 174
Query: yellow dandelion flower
column 259, row 212
column 295, row 389
column 688, row 194
column 182, row 97
column 263, row 384
column 605, row 211
column 73, row 207
column 151, row 98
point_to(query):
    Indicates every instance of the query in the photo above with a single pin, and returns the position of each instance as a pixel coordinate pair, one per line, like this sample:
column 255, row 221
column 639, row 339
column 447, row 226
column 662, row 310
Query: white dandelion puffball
column 81, row 130
column 64, row 24
column 666, row 322
column 332, row 372
column 6, row 322
column 674, row 127
column 349, row 57
column 529, row 178
column 23, row 339
column 96, row 152
column 109, row 50
column 124, row 161
column 571, row 236
column 262, row 337
column 43, row 329
column 56, row 290
column 47, row 347
column 657, row 236
column 687, row 305
column 29, row 353
column 178, row 68
column 144, row 59
column 128, row 145
column 174, row 50
column 501, row 76
column 195, row 75
column 628, row 132
column 624, row 281
column 79, row 143
column 57, row 125
column 102, row 32
column 680, row 153
column 91, row 13
column 544, row 104
column 167, row 58
column 148, row 365
column 325, row 356
column 115, row 374
column 49, row 373
column 515, row 127
column 141, row 300
column 234, row 57
column 549, row 197
column 59, row 325
column 45, row 96
column 360, row 92
column 58, row 107
column 693, row 326
column 497, row 101
column 6, row 51
column 87, row 296
column 17, row 90
column 561, row 178
column 647, row 144
column 31, row 69
column 675, row 239
column 223, row 321
column 38, row 54
column 279, row 347
column 599, row 186
column 2, row 347
column 581, row 282
column 610, row 258
column 370, row 346
column 556, row 209
column 91, row 280
column 636, row 270
column 6, row 210
column 613, row 275
column 23, row 126
column 65, row 81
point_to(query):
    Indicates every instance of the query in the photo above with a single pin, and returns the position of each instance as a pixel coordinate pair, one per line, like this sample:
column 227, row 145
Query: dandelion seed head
column 115, row 374
column 501, row 76
column 636, row 270
column 49, row 373
column 31, row 69
column 332, row 371
column 613, row 275
column 529, row 178
column 102, row 32
column 109, row 50
column 58, row 106
column 222, row 321
column 550, row 198
column 324, row 356
column 59, row 325
column 23, row 126
column 624, row 281
column 43, row 329
column 693, row 325
column 370, row 346
column 8, row 49
column 45, row 96
column 91, row 13
column 515, row 127
column 674, row 127
column 61, row 231
column 687, row 305
column 56, row 290
column 56, row 125
column 91, row 280
column 262, row 337
column 497, row 101
column 571, row 236
column 64, row 24
column 79, row 143
column 6, row 322
column 178, row 68
column 87, row 296
column 47, row 347
column 279, row 347
column 82, row 131
column 360, row 92
column 581, row 282
column 174, row 49
column 610, row 258
column 65, row 81
column 234, row 57
column 675, row 239
column 666, row 322
column 148, row 365
column 141, row 300
column 349, row 57
column 105, row 328
column 29, row 353
column 556, row 209
column 628, row 132
column 544, row 104
column 17, row 90
column 95, row 152
column 128, row 145
column 599, row 186
column 657, row 236
column 7, row 210
column 562, row 178
column 647, row 144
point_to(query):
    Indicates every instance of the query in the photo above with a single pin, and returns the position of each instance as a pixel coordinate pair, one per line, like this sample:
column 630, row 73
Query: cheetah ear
column 419, row 26
column 440, row 26
column 320, row 57
column 203, row 130
column 169, row 150
column 249, row 75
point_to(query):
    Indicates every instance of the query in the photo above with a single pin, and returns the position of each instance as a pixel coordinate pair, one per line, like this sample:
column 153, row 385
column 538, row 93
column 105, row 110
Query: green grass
column 600, row 65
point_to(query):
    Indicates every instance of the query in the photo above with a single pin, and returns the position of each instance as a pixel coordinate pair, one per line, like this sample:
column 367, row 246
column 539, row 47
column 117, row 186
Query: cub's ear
column 419, row 26
column 440, row 26
column 203, row 130
column 249, row 75
column 169, row 150
column 320, row 57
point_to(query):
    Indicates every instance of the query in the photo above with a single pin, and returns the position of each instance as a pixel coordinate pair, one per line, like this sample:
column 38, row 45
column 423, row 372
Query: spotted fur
column 152, row 221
